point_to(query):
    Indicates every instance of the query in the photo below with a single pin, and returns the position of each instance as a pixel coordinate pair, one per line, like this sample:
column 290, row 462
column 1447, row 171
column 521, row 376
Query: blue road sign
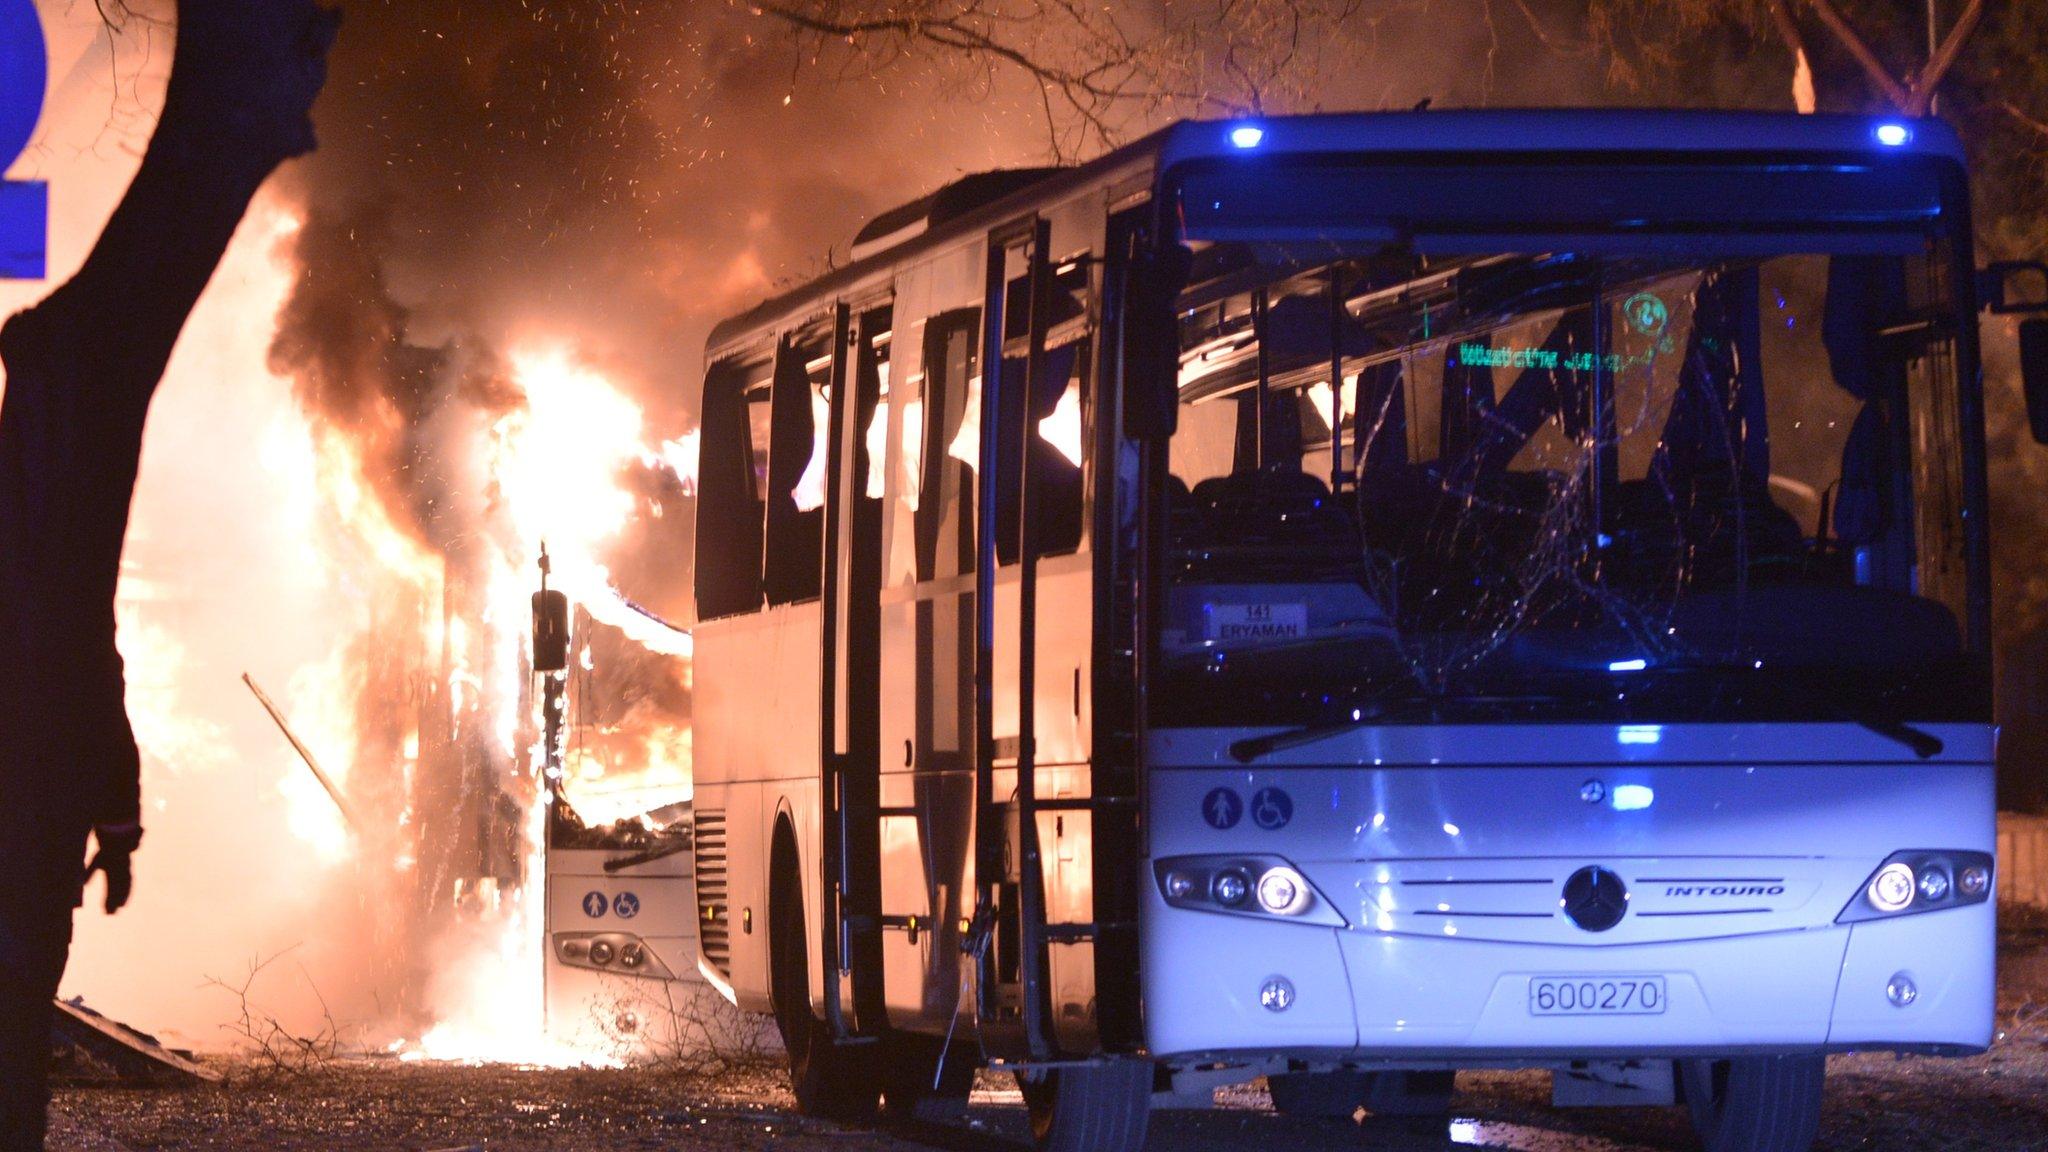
column 594, row 904
column 626, row 905
column 24, row 205
column 1222, row 809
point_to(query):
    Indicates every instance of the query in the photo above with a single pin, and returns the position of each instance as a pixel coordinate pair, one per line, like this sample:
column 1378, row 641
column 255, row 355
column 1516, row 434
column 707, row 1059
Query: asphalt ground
column 1995, row 1102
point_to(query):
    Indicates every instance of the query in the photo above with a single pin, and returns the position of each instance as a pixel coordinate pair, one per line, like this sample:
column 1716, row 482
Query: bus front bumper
column 1218, row 985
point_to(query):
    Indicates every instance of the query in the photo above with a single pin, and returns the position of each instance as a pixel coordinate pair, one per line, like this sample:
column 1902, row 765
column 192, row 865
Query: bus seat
column 1272, row 525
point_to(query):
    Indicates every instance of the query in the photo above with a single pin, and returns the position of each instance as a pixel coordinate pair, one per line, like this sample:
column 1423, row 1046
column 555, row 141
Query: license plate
column 1596, row 995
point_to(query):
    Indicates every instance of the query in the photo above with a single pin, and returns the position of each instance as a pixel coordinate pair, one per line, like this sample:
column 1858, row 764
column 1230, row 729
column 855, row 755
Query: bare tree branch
column 1944, row 58
column 2017, row 113
column 1897, row 94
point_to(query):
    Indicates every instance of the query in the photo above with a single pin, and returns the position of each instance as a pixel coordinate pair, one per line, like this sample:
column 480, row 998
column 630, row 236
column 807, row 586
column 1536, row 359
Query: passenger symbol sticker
column 594, row 904
column 1222, row 809
column 1271, row 808
column 626, row 905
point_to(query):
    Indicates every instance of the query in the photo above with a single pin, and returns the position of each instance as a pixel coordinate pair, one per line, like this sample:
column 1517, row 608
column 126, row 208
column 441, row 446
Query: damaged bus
column 1346, row 599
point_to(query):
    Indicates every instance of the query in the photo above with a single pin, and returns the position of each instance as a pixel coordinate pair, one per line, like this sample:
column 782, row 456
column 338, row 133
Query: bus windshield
column 1417, row 480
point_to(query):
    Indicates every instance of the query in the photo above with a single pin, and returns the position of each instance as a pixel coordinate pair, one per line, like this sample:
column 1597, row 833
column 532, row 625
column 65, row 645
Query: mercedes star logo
column 1595, row 899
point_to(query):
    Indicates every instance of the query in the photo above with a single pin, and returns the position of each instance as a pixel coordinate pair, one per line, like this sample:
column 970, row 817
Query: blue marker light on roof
column 1247, row 135
column 1893, row 135
column 1636, row 665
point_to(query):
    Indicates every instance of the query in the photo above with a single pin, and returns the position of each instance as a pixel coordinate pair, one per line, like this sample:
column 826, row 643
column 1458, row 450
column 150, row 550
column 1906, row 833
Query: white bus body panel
column 756, row 730
column 1445, row 850
column 611, row 1009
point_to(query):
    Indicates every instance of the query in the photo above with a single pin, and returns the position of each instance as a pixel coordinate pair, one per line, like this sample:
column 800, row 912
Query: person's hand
column 117, row 846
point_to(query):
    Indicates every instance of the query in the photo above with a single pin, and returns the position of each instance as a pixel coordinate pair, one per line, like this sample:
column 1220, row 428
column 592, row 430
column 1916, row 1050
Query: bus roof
column 977, row 201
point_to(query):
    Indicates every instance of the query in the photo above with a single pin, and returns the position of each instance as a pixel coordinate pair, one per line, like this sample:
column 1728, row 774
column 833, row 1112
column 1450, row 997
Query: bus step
column 1075, row 933
column 1084, row 803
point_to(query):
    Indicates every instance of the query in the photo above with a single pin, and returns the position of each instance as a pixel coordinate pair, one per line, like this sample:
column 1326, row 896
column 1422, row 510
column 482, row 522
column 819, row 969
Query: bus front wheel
column 1090, row 1107
column 1755, row 1103
column 825, row 1080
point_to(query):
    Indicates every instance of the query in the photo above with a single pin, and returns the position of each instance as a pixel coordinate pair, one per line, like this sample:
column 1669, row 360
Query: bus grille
column 714, row 925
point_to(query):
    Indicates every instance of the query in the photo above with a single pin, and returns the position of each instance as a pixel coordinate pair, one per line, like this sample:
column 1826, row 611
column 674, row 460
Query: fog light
column 1891, row 890
column 1933, row 883
column 1178, row 885
column 1276, row 995
column 1282, row 891
column 1230, row 887
column 600, row 952
column 1900, row 990
column 1973, row 881
column 632, row 956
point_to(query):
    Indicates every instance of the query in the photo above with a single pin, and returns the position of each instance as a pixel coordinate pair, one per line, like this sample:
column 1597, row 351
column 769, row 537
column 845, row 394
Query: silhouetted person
column 81, row 369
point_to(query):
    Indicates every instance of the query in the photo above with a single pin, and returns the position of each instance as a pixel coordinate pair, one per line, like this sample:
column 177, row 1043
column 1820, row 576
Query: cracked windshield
column 1564, row 484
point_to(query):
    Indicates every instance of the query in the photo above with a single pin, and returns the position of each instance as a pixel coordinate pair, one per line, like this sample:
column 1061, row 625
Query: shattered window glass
column 1563, row 484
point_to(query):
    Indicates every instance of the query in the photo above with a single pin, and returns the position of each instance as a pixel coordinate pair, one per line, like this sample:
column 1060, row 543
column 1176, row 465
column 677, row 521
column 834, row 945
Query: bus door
column 1030, row 778
column 850, row 670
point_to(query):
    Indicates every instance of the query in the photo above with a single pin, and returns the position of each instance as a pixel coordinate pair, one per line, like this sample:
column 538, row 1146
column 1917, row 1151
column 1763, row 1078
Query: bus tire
column 826, row 1082
column 1090, row 1107
column 1755, row 1103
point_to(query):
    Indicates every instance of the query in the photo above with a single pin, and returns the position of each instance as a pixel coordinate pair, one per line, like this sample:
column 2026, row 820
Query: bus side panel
column 756, row 722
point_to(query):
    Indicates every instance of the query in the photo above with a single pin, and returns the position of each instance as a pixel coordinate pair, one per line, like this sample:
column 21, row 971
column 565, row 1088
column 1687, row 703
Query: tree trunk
column 81, row 368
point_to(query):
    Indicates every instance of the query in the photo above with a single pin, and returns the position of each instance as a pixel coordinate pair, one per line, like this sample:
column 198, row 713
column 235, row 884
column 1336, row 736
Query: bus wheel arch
column 826, row 1084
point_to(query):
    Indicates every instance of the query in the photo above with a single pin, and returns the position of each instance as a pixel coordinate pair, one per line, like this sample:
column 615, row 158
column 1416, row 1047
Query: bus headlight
column 1933, row 882
column 1283, row 892
column 1908, row 883
column 1973, row 881
column 1230, row 887
column 1891, row 890
column 1266, row 887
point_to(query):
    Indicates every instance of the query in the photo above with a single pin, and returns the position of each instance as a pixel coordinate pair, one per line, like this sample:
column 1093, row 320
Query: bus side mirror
column 550, row 631
column 1152, row 341
column 2034, row 375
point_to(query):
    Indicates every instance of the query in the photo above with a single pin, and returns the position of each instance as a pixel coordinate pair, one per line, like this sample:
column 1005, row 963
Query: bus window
column 875, row 437
column 945, row 500
column 799, row 402
column 1053, row 406
column 733, row 474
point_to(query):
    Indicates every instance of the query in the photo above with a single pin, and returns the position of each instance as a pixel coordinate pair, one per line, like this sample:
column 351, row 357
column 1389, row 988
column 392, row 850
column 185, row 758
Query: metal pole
column 334, row 792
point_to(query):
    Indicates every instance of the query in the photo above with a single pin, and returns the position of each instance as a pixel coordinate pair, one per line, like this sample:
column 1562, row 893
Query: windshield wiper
column 1258, row 747
column 1922, row 743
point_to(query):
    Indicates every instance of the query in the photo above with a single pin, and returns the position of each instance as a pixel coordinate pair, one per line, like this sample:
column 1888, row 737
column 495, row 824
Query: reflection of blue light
column 1633, row 797
column 1893, row 135
column 1247, row 135
column 1636, row 665
column 1639, row 734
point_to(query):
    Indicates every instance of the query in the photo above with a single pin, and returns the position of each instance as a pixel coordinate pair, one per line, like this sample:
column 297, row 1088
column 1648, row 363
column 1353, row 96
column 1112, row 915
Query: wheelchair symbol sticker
column 594, row 904
column 1222, row 809
column 1271, row 808
column 626, row 905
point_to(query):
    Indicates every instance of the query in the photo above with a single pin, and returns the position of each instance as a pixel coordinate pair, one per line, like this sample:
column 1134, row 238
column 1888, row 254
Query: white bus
column 1415, row 592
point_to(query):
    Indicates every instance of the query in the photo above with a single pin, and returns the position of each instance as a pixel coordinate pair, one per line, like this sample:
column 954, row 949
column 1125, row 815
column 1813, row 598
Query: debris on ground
column 89, row 1047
